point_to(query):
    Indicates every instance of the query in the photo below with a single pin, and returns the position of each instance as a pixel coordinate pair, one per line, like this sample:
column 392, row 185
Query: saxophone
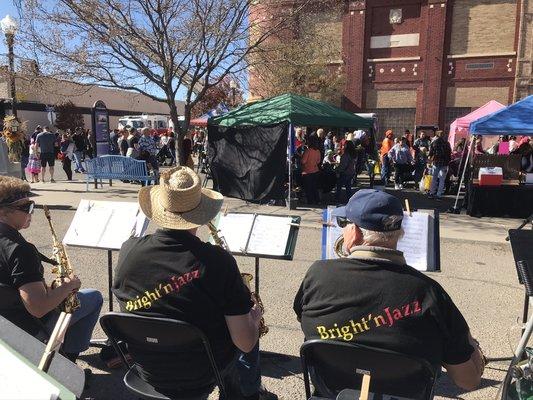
column 63, row 268
column 338, row 247
column 246, row 278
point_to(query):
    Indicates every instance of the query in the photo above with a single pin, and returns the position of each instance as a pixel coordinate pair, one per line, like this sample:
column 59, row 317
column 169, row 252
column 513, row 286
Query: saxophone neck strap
column 46, row 259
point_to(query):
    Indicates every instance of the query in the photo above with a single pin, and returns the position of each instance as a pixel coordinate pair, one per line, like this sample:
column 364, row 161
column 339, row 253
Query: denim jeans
column 439, row 176
column 77, row 160
column 244, row 374
column 385, row 170
column 80, row 330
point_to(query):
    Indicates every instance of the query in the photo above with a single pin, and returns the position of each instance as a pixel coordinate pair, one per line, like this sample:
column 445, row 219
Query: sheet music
column 235, row 228
column 414, row 242
column 269, row 235
column 105, row 224
column 18, row 381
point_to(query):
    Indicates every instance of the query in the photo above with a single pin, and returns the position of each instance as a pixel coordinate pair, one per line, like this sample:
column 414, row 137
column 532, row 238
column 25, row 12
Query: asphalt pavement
column 477, row 271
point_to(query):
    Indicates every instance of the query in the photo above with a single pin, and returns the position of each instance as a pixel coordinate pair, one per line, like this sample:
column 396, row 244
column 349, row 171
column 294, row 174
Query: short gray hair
column 375, row 238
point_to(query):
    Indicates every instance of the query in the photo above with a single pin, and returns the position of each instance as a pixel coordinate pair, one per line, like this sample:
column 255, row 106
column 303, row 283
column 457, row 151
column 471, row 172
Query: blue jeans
column 80, row 330
column 385, row 170
column 244, row 374
column 439, row 176
column 77, row 160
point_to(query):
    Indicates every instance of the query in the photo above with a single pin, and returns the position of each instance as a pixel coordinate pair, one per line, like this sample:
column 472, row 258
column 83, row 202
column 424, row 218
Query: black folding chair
column 159, row 335
column 334, row 366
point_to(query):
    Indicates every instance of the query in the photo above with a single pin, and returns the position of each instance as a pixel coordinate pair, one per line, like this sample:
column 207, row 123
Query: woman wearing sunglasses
column 25, row 298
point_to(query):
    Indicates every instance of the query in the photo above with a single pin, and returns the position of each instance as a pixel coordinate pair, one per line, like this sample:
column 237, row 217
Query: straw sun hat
column 179, row 202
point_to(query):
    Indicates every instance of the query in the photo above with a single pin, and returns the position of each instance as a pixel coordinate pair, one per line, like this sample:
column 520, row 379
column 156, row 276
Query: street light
column 233, row 86
column 9, row 27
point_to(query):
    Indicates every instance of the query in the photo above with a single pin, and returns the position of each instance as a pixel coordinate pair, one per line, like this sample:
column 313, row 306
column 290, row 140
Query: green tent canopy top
column 298, row 110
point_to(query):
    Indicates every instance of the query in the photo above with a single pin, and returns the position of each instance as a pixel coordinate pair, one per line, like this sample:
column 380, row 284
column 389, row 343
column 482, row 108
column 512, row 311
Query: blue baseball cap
column 372, row 209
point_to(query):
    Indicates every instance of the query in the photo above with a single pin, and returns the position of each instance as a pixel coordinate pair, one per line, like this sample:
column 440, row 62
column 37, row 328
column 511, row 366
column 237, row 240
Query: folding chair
column 336, row 366
column 158, row 335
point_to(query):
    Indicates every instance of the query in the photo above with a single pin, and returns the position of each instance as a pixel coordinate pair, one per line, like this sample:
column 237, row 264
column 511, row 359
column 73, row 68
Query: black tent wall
column 249, row 163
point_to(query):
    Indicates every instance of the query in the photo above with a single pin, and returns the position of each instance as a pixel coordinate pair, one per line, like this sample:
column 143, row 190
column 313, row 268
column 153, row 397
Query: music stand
column 522, row 247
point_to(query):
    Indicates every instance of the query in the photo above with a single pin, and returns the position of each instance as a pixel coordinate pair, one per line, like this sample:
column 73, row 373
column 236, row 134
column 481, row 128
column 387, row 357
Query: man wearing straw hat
column 173, row 274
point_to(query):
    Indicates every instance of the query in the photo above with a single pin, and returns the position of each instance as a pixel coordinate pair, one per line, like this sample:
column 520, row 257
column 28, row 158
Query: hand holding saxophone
column 72, row 282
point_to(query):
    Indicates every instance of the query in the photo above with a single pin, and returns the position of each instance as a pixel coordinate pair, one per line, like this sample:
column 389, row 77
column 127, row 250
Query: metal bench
column 117, row 167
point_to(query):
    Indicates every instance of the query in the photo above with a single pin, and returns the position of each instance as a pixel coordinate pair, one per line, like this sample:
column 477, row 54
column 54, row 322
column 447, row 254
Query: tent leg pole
column 289, row 153
column 470, row 150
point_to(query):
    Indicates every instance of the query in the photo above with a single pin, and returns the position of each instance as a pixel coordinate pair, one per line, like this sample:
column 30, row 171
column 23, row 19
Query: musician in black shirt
column 173, row 274
column 372, row 297
column 26, row 300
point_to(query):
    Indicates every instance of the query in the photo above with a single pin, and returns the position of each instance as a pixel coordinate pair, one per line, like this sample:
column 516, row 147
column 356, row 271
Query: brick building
column 429, row 61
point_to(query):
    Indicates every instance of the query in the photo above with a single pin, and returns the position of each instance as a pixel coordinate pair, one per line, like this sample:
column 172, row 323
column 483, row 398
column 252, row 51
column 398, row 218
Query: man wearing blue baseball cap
column 372, row 297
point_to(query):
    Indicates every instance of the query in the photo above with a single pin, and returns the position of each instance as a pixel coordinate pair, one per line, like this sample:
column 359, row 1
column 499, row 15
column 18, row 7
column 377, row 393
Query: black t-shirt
column 174, row 274
column 20, row 263
column 79, row 142
column 376, row 302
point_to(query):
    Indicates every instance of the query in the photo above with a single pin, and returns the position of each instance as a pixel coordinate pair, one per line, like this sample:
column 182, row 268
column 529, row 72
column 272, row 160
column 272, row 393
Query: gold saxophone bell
column 338, row 247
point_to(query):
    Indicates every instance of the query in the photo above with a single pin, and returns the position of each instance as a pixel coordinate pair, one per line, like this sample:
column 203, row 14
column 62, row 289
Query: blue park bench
column 117, row 167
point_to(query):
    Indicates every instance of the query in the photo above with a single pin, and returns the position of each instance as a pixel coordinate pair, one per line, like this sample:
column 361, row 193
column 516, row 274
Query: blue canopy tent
column 516, row 120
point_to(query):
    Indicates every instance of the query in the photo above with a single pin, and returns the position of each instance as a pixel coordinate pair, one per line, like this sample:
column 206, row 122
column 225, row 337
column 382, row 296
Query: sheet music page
column 414, row 242
column 269, row 235
column 120, row 226
column 105, row 224
column 333, row 232
column 235, row 228
column 18, row 381
column 88, row 224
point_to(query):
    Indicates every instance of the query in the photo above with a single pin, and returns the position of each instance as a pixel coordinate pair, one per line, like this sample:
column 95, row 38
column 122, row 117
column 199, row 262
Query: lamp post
column 233, row 86
column 9, row 27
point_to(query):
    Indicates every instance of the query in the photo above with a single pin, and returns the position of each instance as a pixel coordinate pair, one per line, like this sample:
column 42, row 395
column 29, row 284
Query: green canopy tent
column 297, row 110
column 248, row 146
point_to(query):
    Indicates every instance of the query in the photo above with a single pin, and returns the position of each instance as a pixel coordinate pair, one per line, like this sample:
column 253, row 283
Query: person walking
column 34, row 162
column 148, row 149
column 402, row 159
column 133, row 144
column 67, row 150
column 24, row 157
column 346, row 170
column 310, row 171
column 79, row 146
column 46, row 142
column 421, row 148
column 113, row 142
column 440, row 154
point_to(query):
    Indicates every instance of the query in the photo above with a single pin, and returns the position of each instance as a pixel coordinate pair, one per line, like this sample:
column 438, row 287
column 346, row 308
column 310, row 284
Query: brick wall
column 483, row 26
column 475, row 97
column 390, row 99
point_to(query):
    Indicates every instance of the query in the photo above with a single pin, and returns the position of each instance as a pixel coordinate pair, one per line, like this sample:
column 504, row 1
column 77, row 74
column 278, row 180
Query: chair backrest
column 150, row 339
column 335, row 363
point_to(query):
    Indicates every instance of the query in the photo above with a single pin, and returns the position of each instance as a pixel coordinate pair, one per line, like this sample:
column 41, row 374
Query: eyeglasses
column 26, row 207
column 343, row 221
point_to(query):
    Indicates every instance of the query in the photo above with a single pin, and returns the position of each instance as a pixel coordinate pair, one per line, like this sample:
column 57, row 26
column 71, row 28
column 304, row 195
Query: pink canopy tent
column 460, row 127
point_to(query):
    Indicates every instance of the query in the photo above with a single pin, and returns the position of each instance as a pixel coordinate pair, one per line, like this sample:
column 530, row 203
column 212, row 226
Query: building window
column 397, row 119
column 474, row 66
column 452, row 113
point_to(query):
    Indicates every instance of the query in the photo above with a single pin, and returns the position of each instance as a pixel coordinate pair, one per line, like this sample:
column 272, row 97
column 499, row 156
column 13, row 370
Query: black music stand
column 522, row 247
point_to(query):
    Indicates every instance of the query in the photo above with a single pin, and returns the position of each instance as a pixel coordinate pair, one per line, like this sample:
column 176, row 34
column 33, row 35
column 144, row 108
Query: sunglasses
column 26, row 207
column 342, row 222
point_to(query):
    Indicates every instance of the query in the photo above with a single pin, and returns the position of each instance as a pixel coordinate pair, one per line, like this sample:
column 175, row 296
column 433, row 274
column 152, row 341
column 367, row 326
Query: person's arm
column 244, row 329
column 467, row 375
column 40, row 300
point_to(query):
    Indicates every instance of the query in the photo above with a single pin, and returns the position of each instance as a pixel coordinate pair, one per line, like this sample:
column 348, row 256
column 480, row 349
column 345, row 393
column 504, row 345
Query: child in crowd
column 34, row 163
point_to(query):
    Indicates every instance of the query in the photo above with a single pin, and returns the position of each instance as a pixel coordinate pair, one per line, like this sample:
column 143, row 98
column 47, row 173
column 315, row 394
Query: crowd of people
column 327, row 161
column 45, row 146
